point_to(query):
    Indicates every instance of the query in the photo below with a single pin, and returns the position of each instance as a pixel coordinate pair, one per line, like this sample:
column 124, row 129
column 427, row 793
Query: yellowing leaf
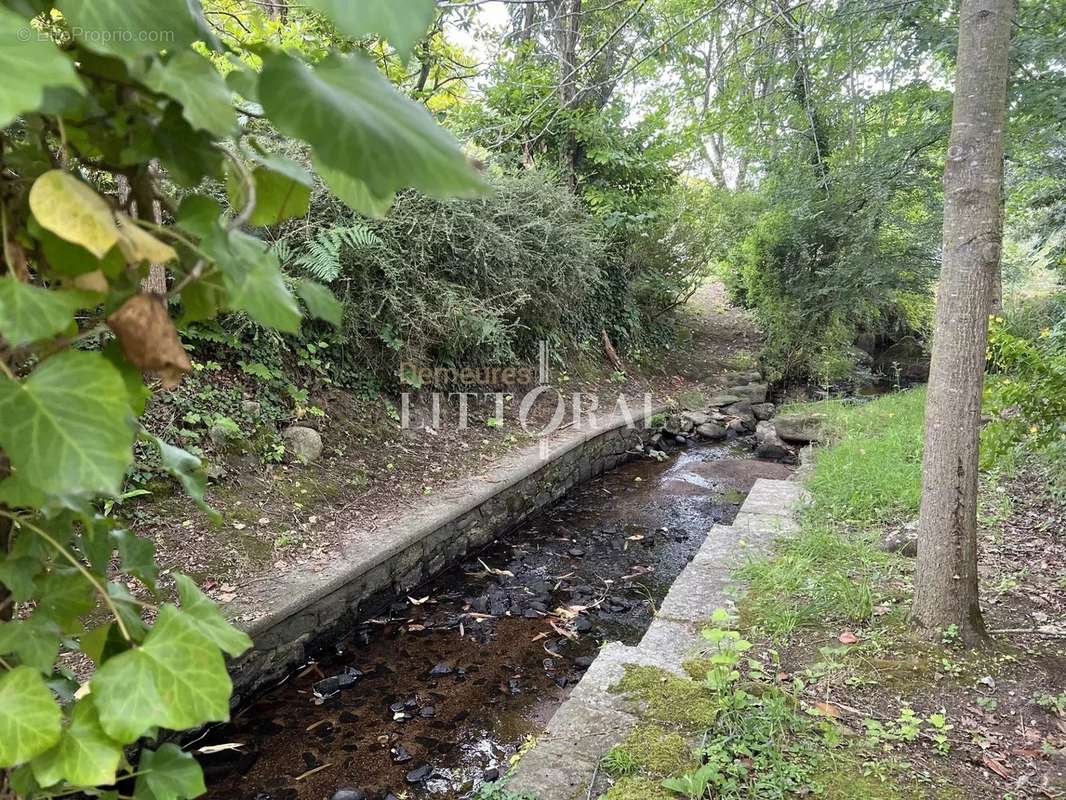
column 84, row 756
column 30, row 719
column 72, row 210
column 139, row 245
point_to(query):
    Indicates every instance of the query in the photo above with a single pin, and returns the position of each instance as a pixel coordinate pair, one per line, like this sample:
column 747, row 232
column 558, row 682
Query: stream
column 432, row 697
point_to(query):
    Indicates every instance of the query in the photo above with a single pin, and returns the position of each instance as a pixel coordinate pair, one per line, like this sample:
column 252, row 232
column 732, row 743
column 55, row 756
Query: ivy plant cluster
column 113, row 114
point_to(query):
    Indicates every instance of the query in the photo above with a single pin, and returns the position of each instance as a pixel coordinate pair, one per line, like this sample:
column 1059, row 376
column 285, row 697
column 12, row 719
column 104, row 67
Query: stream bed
column 432, row 697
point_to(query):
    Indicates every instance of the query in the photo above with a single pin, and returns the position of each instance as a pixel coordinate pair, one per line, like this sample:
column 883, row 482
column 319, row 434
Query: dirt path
column 281, row 517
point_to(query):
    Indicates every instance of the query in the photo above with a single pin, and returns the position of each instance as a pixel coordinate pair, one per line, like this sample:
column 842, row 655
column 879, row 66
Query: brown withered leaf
column 149, row 339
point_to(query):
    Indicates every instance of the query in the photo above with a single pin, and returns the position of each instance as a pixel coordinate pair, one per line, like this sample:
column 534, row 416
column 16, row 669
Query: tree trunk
column 136, row 196
column 568, row 34
column 945, row 583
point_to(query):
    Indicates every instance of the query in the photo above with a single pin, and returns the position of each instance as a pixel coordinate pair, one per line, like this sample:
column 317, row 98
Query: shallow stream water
column 444, row 687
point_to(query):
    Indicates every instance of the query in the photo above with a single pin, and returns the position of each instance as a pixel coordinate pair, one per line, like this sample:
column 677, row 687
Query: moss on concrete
column 638, row 787
column 669, row 699
column 659, row 752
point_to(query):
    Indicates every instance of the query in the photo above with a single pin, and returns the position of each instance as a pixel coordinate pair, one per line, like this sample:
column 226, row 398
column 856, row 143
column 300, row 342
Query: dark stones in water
column 490, row 775
column 399, row 754
column 328, row 687
column 420, row 774
column 427, row 712
column 583, row 662
column 441, row 669
column 349, row 794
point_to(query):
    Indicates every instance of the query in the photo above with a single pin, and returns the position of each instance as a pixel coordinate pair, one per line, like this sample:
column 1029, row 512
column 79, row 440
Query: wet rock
column 441, row 669
column 427, row 712
column 711, row 431
column 399, row 754
column 420, row 774
column 720, row 400
column 763, row 411
column 681, row 441
column 490, row 775
column 687, row 425
column 582, row 625
column 349, row 794
column 695, row 418
column 801, row 428
column 743, row 412
column 736, row 427
column 303, row 444
column 672, row 426
column 769, row 444
column 531, row 613
column 310, row 759
column 479, row 605
column 584, row 662
column 576, row 552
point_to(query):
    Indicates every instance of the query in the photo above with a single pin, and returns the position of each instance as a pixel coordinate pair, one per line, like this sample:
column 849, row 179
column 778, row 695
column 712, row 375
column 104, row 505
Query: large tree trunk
column 945, row 584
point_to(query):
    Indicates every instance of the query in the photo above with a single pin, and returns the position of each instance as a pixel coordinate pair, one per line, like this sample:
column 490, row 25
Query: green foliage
column 1026, row 394
column 97, row 130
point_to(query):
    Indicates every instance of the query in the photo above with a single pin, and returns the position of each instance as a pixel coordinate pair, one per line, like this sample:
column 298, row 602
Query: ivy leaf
column 84, row 756
column 137, row 555
column 139, row 245
column 203, row 611
column 177, row 679
column 194, row 82
column 35, row 641
column 168, row 774
column 30, row 313
column 189, row 471
column 17, row 574
column 353, row 192
column 402, row 23
column 188, row 155
column 67, row 427
column 360, row 125
column 38, row 63
column 132, row 28
column 102, row 643
column 253, row 279
column 71, row 260
column 64, row 596
column 321, row 302
column 30, row 719
column 72, row 210
column 282, row 191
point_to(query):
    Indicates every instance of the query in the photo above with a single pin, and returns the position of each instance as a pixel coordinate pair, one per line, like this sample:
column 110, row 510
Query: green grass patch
column 872, row 470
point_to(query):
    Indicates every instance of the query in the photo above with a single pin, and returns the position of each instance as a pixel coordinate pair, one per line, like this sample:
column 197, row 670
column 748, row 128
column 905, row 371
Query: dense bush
column 1026, row 388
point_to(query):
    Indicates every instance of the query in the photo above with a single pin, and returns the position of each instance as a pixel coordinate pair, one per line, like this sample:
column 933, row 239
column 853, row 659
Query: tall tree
column 946, row 578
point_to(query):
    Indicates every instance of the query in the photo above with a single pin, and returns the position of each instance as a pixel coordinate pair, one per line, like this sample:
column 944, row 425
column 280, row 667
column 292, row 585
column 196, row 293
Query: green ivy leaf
column 168, row 774
column 133, row 28
column 67, row 427
column 282, row 191
column 34, row 640
column 177, row 679
column 17, row 574
column 189, row 471
column 321, row 302
column 30, row 719
column 253, row 279
column 84, row 756
column 189, row 155
column 102, row 643
column 29, row 313
column 361, row 126
column 353, row 192
column 37, row 62
column 402, row 23
column 64, row 596
column 203, row 611
column 137, row 555
column 194, row 82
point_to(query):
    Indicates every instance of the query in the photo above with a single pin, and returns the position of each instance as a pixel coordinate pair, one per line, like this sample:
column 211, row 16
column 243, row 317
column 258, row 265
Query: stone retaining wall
column 306, row 612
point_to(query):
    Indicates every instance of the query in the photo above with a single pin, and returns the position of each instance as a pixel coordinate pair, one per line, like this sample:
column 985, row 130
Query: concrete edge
column 707, row 583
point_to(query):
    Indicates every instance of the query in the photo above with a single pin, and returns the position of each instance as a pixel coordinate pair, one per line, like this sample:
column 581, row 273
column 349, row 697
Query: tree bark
column 568, row 35
column 139, row 198
column 946, row 581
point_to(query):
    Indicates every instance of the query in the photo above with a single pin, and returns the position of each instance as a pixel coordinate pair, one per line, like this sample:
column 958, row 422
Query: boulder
column 253, row 408
column 801, row 428
column 735, row 427
column 672, row 426
column 686, row 425
column 304, row 444
column 720, row 400
column 743, row 412
column 769, row 444
column 752, row 392
column 763, row 411
column 696, row 418
column 903, row 541
column 711, row 430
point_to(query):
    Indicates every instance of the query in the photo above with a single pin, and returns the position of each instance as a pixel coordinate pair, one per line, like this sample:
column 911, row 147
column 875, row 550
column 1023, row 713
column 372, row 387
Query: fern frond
column 322, row 257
